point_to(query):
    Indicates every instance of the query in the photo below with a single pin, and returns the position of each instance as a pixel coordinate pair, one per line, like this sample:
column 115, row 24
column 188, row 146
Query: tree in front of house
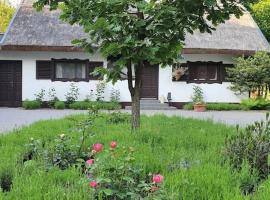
column 136, row 33
column 6, row 13
column 261, row 13
column 251, row 74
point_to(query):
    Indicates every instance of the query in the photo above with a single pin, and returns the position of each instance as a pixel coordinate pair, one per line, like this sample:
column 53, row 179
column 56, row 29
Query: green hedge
column 59, row 105
column 255, row 104
column 216, row 106
column 84, row 105
column 30, row 105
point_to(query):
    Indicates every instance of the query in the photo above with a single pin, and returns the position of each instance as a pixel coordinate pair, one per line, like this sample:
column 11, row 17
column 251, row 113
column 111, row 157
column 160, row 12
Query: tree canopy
column 251, row 74
column 261, row 13
column 135, row 33
column 6, row 13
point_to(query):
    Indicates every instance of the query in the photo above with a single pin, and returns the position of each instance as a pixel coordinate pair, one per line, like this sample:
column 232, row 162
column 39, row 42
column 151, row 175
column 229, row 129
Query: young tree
column 251, row 74
column 134, row 33
column 6, row 12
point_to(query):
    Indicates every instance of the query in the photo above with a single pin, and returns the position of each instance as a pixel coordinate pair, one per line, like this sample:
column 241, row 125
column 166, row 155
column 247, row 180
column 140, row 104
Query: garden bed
column 187, row 152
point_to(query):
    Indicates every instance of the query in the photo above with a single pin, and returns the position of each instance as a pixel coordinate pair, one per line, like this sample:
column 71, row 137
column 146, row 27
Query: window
column 200, row 72
column 43, row 69
column 204, row 72
column 70, row 70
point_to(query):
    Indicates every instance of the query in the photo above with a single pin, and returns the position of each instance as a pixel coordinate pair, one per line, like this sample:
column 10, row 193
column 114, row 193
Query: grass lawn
column 187, row 152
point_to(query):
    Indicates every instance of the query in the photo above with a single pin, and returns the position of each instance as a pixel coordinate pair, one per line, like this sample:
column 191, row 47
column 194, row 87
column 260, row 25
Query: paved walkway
column 11, row 118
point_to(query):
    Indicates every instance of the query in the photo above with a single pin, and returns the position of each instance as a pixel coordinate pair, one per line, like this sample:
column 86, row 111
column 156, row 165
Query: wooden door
column 150, row 82
column 10, row 83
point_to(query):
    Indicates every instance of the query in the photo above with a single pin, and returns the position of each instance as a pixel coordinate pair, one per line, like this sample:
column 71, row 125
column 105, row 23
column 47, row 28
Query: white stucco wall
column 181, row 91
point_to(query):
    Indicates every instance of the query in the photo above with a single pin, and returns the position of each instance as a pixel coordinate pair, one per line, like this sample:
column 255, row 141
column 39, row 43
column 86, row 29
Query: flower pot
column 199, row 107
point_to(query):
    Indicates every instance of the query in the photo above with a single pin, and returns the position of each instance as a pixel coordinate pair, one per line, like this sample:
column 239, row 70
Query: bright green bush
column 261, row 13
column 216, row 106
column 29, row 105
column 255, row 104
column 84, row 105
column 223, row 106
column 59, row 105
column 188, row 106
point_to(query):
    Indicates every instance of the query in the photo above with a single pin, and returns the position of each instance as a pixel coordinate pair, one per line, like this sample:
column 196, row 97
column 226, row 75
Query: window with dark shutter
column 43, row 69
column 92, row 66
column 204, row 72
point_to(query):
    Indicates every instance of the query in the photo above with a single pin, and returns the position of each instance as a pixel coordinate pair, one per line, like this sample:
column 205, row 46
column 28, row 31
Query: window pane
column 70, row 70
column 212, row 72
column 201, row 72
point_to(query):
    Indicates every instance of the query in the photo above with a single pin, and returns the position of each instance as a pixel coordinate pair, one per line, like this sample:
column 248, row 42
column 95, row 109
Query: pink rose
column 90, row 162
column 97, row 147
column 113, row 144
column 93, row 184
column 158, row 178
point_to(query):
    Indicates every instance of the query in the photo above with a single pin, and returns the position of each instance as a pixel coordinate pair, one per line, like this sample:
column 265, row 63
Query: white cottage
column 36, row 53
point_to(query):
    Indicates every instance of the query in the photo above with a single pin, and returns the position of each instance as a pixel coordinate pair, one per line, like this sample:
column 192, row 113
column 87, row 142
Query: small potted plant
column 197, row 98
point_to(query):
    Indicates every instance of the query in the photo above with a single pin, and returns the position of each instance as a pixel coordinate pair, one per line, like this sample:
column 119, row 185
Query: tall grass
column 187, row 152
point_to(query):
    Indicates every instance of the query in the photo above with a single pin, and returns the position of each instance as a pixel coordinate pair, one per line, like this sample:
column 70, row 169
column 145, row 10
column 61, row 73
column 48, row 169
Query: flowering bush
column 112, row 174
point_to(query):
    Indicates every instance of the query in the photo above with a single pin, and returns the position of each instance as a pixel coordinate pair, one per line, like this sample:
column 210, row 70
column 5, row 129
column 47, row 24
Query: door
column 10, row 83
column 150, row 82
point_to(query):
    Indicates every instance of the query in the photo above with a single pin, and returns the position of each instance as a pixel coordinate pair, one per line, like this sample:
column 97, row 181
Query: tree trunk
column 135, row 93
column 136, row 109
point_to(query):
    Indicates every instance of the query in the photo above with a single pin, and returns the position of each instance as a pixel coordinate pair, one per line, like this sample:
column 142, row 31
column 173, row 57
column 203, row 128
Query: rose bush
column 112, row 174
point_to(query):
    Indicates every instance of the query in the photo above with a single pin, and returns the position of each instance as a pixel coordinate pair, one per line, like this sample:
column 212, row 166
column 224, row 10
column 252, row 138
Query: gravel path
column 11, row 118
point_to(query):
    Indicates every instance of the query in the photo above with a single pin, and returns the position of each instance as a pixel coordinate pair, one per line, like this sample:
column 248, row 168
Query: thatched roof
column 31, row 30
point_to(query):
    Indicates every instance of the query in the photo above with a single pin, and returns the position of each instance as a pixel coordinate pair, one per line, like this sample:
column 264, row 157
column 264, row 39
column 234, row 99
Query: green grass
column 187, row 152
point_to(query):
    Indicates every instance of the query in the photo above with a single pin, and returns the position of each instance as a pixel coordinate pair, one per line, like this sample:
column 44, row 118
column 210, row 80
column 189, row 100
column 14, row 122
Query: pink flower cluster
column 96, row 149
column 156, row 179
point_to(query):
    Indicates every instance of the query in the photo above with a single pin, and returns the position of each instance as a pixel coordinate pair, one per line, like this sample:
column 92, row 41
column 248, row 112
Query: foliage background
column 6, row 13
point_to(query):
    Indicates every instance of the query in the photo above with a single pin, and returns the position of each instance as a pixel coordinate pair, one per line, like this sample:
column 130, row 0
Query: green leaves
column 251, row 74
column 138, row 31
column 6, row 13
column 261, row 12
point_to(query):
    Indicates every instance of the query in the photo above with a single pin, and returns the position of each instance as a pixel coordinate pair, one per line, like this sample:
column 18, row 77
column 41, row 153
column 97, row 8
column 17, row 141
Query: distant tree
column 251, row 74
column 261, row 13
column 134, row 33
column 6, row 13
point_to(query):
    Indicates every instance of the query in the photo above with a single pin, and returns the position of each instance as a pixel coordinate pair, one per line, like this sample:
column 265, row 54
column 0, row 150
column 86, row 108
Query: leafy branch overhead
column 138, row 30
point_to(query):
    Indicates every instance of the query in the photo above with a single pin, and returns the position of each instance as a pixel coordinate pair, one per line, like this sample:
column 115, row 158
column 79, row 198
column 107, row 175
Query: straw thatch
column 44, row 29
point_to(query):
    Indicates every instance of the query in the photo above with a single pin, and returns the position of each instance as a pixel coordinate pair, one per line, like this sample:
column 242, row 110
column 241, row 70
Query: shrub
column 188, row 106
column 216, row 106
column 253, row 145
column 197, row 97
column 52, row 97
column 118, row 118
column 115, row 95
column 112, row 174
column 40, row 96
column 255, row 104
column 73, row 94
column 100, row 89
column 84, row 105
column 223, row 106
column 30, row 105
column 59, row 105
